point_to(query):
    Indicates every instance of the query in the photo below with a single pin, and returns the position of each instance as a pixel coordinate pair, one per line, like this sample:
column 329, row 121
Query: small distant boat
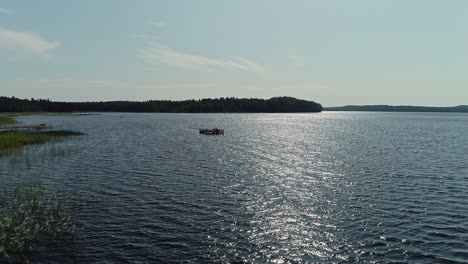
column 213, row 131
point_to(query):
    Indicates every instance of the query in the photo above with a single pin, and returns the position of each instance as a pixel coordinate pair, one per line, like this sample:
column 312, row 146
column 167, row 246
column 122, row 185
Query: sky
column 333, row 52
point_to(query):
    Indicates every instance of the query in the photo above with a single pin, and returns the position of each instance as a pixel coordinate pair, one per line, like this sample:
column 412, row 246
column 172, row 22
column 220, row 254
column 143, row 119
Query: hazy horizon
column 333, row 52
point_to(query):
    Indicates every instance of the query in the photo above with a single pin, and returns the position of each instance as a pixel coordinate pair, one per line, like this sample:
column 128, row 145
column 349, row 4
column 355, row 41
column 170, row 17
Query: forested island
column 391, row 108
column 219, row 105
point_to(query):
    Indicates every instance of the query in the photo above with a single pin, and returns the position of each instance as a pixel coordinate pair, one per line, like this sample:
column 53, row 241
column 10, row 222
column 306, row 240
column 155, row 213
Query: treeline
column 391, row 108
column 219, row 105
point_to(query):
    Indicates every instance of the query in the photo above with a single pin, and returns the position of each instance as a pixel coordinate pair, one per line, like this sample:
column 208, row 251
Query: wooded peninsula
column 219, row 105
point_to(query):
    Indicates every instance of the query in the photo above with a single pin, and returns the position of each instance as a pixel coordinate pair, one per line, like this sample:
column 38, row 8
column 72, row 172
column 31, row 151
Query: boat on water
column 213, row 131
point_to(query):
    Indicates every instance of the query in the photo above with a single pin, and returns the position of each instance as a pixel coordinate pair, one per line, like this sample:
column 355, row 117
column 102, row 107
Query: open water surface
column 334, row 187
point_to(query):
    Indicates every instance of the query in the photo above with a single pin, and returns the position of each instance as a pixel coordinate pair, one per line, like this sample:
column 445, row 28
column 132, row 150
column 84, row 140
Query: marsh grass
column 7, row 120
column 35, row 127
column 11, row 139
column 29, row 214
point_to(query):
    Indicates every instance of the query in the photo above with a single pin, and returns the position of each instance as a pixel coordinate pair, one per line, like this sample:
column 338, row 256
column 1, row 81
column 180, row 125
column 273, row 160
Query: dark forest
column 218, row 105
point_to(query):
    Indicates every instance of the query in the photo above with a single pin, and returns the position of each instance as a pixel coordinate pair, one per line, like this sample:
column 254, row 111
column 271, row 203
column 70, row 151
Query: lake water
column 334, row 187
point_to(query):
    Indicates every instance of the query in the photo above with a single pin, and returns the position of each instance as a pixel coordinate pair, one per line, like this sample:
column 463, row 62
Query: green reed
column 11, row 139
column 27, row 214
column 7, row 120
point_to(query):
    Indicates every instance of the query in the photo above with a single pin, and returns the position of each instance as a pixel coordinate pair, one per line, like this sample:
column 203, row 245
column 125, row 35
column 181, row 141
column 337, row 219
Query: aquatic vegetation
column 11, row 139
column 37, row 127
column 7, row 120
column 27, row 215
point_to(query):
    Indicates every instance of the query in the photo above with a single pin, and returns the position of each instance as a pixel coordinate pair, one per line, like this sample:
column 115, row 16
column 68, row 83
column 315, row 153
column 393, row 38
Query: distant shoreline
column 282, row 104
column 406, row 108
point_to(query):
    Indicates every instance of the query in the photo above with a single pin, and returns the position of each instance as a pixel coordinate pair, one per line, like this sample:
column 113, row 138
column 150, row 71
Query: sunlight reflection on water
column 278, row 188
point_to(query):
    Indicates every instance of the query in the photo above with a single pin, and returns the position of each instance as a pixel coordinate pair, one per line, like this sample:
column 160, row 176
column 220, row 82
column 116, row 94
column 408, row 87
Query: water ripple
column 276, row 188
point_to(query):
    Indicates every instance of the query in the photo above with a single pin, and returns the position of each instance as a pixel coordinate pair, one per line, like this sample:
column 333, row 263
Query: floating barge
column 213, row 131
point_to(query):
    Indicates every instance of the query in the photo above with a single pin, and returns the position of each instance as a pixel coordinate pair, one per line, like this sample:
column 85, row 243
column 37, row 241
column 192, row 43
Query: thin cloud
column 159, row 54
column 106, row 89
column 6, row 11
column 158, row 24
column 27, row 42
column 104, row 85
column 297, row 60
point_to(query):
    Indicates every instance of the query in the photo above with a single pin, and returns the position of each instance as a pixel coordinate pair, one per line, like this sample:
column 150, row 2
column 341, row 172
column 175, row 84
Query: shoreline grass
column 7, row 120
column 29, row 214
column 13, row 139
